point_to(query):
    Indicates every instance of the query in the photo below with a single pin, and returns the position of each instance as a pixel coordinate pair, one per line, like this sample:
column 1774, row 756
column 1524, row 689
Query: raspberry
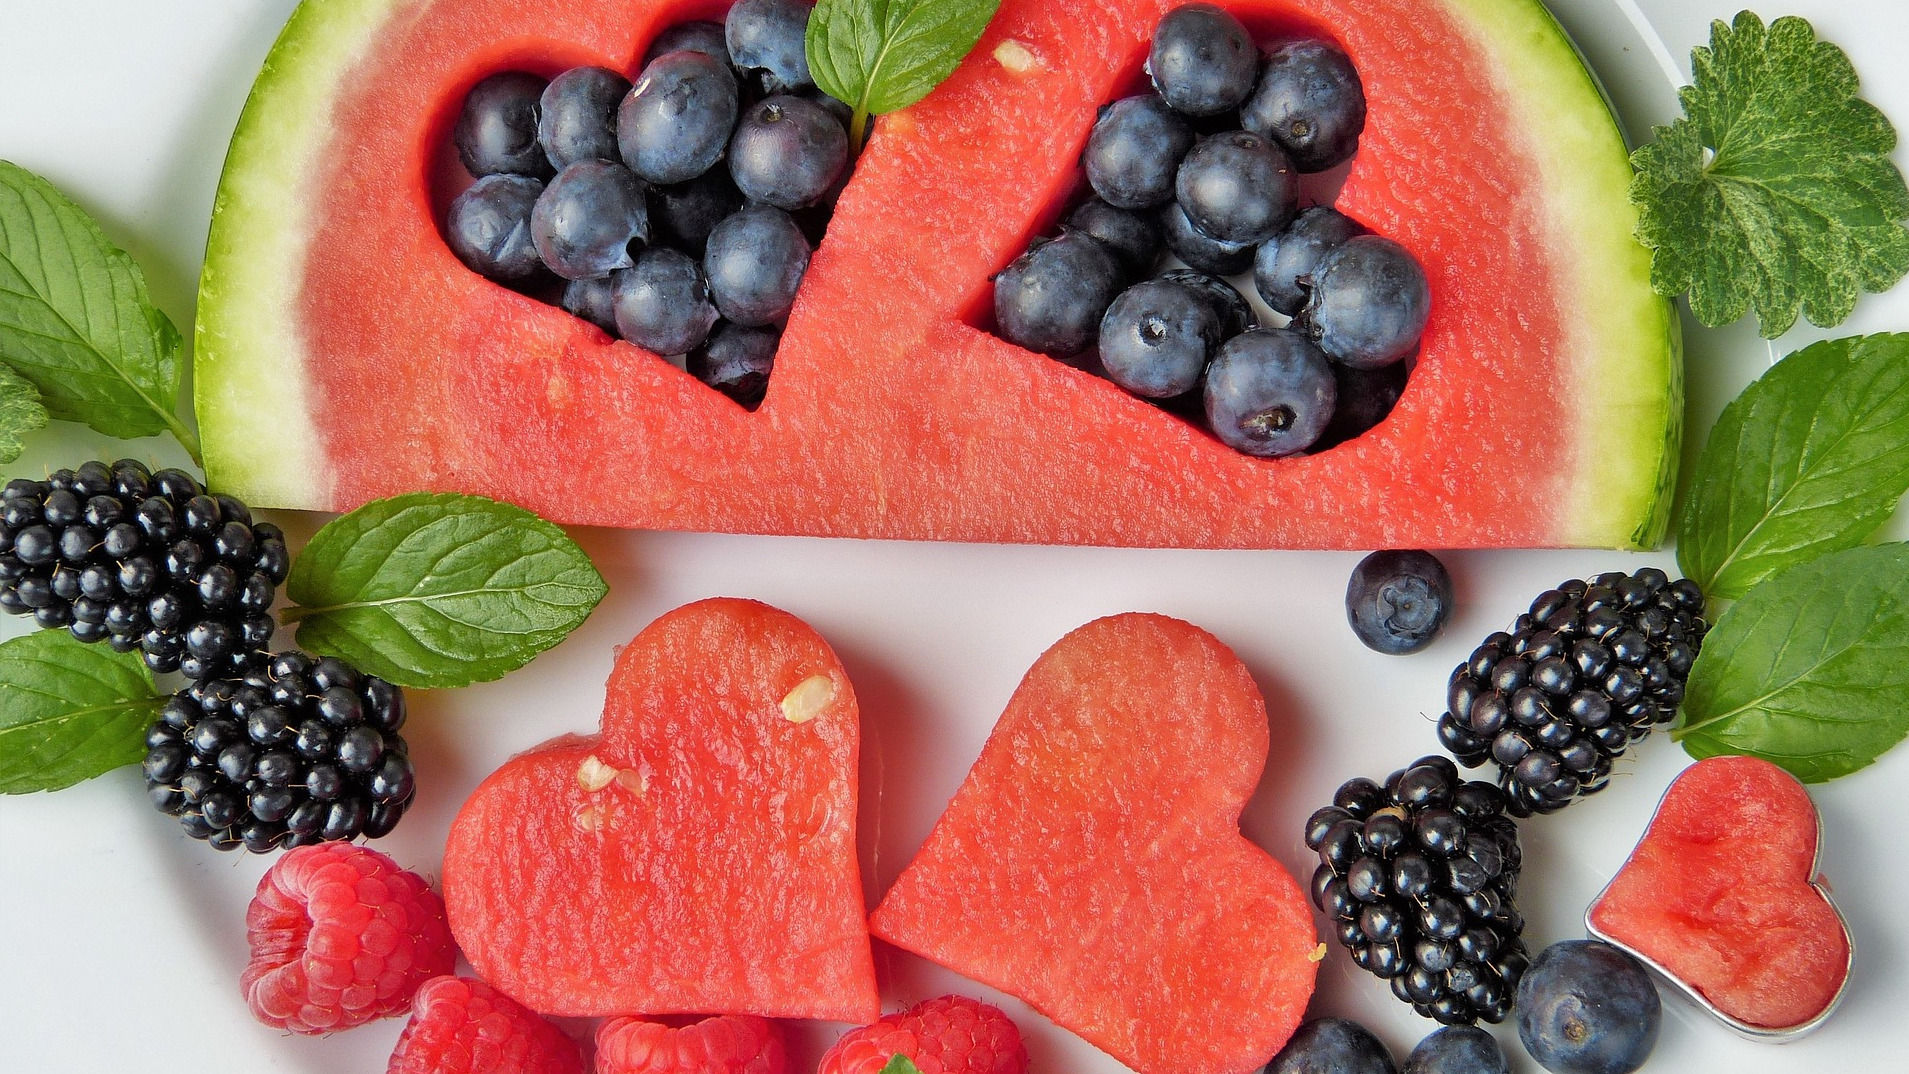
column 340, row 936
column 723, row 1044
column 463, row 1026
column 949, row 1035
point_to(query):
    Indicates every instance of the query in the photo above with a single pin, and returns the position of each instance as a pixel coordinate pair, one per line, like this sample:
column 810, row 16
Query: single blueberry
column 1237, row 187
column 579, row 115
column 1202, row 60
column 1231, row 307
column 676, row 121
column 754, row 264
column 1310, row 101
column 1156, row 338
column 700, row 36
column 1133, row 238
column 496, row 131
column 787, row 152
column 662, row 303
column 768, row 37
column 489, row 227
column 1398, row 599
column 1199, row 250
column 588, row 218
column 1282, row 269
column 591, row 300
column 1332, row 1046
column 1133, row 150
column 1051, row 298
column 737, row 362
column 1366, row 396
column 1269, row 392
column 1369, row 302
column 683, row 214
column 1585, row 1007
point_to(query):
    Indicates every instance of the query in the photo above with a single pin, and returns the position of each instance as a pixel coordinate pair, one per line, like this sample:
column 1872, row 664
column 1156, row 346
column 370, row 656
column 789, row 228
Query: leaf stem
column 858, row 127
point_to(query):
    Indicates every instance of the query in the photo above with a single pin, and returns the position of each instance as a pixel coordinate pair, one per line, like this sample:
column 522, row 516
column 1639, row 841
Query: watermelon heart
column 1091, row 862
column 698, row 854
column 1721, row 897
column 1544, row 409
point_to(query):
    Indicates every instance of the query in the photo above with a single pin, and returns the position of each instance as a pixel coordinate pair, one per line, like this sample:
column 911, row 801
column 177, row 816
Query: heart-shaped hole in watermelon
column 673, row 197
column 1140, row 276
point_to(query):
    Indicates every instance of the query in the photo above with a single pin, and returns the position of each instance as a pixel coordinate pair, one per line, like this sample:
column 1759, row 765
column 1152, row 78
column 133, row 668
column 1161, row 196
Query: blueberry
column 588, row 218
column 1051, row 298
column 701, row 36
column 1199, row 250
column 1133, row 238
column 1310, row 101
column 1369, row 302
column 662, row 304
column 1237, row 187
column 1398, row 599
column 767, row 36
column 489, row 227
column 1234, row 312
column 1156, row 337
column 1202, row 60
column 579, row 115
column 1132, row 152
column 683, row 214
column 754, row 264
column 1584, row 1007
column 737, row 362
column 496, row 132
column 787, row 152
column 1366, row 396
column 1269, row 392
column 591, row 300
column 1332, row 1046
column 1282, row 269
column 675, row 123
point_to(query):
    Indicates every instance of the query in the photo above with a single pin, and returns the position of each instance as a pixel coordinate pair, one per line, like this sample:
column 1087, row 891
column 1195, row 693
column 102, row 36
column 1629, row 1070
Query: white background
column 121, row 941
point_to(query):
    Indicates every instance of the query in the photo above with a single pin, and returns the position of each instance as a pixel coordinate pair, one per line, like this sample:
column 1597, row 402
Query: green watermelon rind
column 261, row 226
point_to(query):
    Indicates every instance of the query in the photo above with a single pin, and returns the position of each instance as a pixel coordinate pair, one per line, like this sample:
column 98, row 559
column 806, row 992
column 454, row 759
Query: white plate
column 121, row 941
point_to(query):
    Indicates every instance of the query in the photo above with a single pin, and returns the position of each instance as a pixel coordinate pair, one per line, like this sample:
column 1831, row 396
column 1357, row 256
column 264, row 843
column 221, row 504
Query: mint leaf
column 900, row 1064
column 1775, row 191
column 69, row 711
column 1810, row 670
column 76, row 320
column 20, row 413
column 436, row 589
column 881, row 55
column 1811, row 458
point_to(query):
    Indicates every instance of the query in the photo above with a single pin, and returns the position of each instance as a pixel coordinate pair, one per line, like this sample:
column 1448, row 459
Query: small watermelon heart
column 1721, row 897
column 698, row 855
column 1092, row 864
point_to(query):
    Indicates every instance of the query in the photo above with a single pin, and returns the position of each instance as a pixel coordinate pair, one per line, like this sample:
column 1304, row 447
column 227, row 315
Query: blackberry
column 296, row 750
column 142, row 560
column 1592, row 667
column 1418, row 876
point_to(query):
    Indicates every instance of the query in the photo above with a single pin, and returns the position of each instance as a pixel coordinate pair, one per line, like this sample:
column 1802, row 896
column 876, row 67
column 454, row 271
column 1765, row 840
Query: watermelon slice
column 1721, row 896
column 344, row 353
column 1091, row 862
column 698, row 855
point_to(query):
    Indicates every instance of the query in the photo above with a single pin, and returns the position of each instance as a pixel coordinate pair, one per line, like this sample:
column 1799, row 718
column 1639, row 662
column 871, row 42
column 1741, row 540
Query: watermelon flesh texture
column 1091, row 862
column 344, row 353
column 1719, row 896
column 696, row 856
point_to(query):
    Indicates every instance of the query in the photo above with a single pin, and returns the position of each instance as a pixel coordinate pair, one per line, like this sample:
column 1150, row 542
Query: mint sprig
column 20, row 413
column 1775, row 191
column 1812, row 458
column 1810, row 670
column 438, row 589
column 900, row 1064
column 77, row 321
column 69, row 711
column 878, row 56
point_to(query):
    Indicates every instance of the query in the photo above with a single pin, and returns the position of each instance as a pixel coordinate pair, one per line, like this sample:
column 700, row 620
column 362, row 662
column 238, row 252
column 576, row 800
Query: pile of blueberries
column 1207, row 168
column 678, row 213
